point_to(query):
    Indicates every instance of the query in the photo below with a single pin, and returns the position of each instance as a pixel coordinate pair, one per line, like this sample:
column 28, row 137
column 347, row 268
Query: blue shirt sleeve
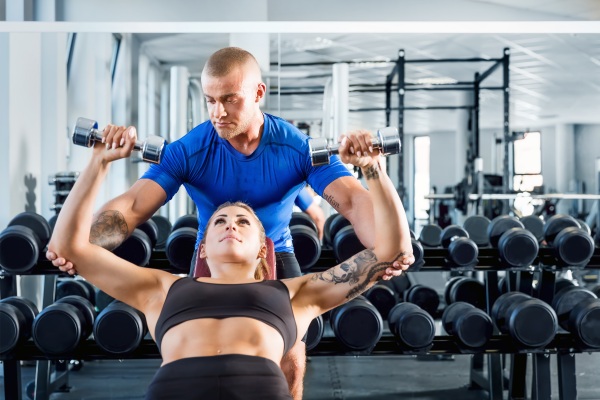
column 171, row 172
column 304, row 199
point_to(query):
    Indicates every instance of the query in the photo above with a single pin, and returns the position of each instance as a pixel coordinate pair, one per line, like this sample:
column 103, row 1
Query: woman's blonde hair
column 262, row 270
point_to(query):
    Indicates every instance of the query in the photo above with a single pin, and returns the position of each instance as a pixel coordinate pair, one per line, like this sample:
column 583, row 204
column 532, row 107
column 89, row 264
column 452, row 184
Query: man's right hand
column 61, row 263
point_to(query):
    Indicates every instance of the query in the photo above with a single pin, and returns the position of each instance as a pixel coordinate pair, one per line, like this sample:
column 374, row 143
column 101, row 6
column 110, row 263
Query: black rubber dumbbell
column 327, row 238
column 181, row 243
column 150, row 228
column 314, row 333
column 413, row 327
column 529, row 321
column 430, row 235
column 22, row 243
column 461, row 250
column 382, row 297
column 63, row 325
column 477, row 227
column 137, row 248
column 119, row 328
column 535, row 225
column 578, row 312
column 16, row 317
column 470, row 325
column 357, row 325
column 572, row 246
column 164, row 230
column 77, row 287
column 468, row 290
column 423, row 296
column 305, row 237
column 517, row 247
column 346, row 244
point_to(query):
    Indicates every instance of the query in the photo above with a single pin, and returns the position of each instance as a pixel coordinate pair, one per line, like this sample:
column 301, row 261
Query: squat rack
column 398, row 73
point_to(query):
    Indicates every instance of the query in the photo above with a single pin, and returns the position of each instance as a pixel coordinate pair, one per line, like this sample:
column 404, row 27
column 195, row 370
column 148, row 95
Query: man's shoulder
column 198, row 136
column 284, row 131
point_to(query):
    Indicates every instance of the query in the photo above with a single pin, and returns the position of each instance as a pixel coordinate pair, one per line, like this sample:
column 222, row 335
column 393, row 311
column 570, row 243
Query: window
column 528, row 162
column 422, row 180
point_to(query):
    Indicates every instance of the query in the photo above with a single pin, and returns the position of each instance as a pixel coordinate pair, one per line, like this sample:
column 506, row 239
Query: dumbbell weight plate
column 502, row 304
column 430, row 235
column 448, row 288
column 557, row 223
column 19, row 249
column 499, row 225
column 150, row 228
column 346, row 244
column 383, row 298
column 535, row 225
column 518, row 248
column 327, row 239
column 573, row 247
column 307, row 247
column 26, row 307
column 463, row 252
column 36, row 223
column 424, row 297
column 477, row 226
column 584, row 322
column 180, row 247
column 164, row 229
column 301, row 218
column 337, row 223
column 85, row 306
column 451, row 313
column 584, row 226
column 532, row 322
column 565, row 300
column 119, row 329
column 314, row 333
column 136, row 249
column 412, row 327
column 470, row 325
column 357, row 324
column 70, row 286
column 187, row 221
column 469, row 290
column 418, row 254
column 450, row 232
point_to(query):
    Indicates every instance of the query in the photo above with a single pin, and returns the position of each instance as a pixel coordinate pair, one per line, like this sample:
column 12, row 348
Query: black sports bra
column 266, row 301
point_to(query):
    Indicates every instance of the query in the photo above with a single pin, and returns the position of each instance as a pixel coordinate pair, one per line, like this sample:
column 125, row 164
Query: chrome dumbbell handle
column 387, row 141
column 86, row 133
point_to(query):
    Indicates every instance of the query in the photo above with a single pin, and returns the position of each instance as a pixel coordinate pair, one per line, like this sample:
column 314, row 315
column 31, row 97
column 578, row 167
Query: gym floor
column 335, row 377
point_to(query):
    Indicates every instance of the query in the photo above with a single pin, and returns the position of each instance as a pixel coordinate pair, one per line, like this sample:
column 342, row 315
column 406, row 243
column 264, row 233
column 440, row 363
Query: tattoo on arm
column 331, row 201
column 109, row 230
column 358, row 271
column 371, row 172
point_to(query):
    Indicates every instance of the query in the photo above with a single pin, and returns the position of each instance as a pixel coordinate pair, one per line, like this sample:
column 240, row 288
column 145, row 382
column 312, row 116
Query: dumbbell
column 462, row 251
column 314, row 334
column 181, row 243
column 86, row 133
column 468, row 290
column 572, row 246
column 63, row 181
column 305, row 238
column 22, row 242
column 517, row 247
column 327, row 238
column 470, row 325
column 16, row 317
column 412, row 326
column 387, row 142
column 137, row 248
column 423, row 296
column 164, row 230
column 63, row 325
column 357, row 325
column 529, row 321
column 119, row 328
column 535, row 225
column 75, row 287
column 477, row 227
column 578, row 312
column 150, row 228
column 382, row 297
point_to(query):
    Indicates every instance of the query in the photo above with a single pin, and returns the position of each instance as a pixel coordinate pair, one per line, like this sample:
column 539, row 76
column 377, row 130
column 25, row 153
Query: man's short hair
column 223, row 61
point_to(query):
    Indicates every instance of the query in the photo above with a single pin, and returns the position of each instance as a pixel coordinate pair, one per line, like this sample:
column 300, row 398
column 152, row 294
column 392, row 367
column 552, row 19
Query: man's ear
column 202, row 253
column 260, row 92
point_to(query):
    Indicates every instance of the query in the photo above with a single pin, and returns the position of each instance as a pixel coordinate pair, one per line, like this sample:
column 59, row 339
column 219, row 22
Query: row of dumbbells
column 63, row 182
column 62, row 326
column 518, row 241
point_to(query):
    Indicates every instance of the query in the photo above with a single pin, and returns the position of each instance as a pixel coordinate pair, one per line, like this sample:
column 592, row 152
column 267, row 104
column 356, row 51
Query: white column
column 340, row 89
column 44, row 10
column 564, row 163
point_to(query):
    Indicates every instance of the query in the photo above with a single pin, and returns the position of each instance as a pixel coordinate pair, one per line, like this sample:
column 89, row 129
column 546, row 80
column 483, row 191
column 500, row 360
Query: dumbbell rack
column 489, row 376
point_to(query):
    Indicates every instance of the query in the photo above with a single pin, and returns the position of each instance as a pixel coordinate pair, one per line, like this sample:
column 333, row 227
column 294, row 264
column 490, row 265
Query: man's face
column 232, row 101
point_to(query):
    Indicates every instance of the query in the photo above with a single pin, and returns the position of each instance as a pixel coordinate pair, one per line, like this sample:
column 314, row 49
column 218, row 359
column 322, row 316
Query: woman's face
column 232, row 235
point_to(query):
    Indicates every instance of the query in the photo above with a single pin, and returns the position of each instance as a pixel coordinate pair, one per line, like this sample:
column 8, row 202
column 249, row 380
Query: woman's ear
column 202, row 252
column 262, row 253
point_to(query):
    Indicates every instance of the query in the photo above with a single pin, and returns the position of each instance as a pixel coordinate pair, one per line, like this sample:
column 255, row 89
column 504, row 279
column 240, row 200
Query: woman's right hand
column 117, row 142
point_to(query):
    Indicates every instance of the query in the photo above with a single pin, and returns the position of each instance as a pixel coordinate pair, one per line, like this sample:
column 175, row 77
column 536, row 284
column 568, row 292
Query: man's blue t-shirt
column 268, row 180
column 304, row 199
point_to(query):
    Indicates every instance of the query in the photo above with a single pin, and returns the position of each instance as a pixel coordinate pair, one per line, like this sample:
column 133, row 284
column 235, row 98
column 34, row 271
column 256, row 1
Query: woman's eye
column 219, row 220
column 244, row 221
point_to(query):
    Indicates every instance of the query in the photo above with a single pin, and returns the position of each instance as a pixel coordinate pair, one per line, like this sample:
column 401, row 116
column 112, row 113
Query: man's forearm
column 109, row 229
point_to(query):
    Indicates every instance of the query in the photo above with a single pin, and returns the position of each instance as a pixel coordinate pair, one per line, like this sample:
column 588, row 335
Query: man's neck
column 247, row 142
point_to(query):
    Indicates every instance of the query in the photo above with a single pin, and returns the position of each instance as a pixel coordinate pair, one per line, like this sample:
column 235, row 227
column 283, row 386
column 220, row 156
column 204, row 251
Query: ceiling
column 554, row 78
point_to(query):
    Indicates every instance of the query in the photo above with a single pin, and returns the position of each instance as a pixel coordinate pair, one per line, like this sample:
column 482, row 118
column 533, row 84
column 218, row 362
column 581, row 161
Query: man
column 244, row 155
column 309, row 204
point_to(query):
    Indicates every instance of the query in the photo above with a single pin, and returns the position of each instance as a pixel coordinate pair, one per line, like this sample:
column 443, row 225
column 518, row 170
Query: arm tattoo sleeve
column 358, row 272
column 109, row 230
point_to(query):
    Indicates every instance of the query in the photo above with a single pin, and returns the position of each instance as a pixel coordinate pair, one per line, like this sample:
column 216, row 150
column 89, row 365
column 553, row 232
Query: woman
column 224, row 336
